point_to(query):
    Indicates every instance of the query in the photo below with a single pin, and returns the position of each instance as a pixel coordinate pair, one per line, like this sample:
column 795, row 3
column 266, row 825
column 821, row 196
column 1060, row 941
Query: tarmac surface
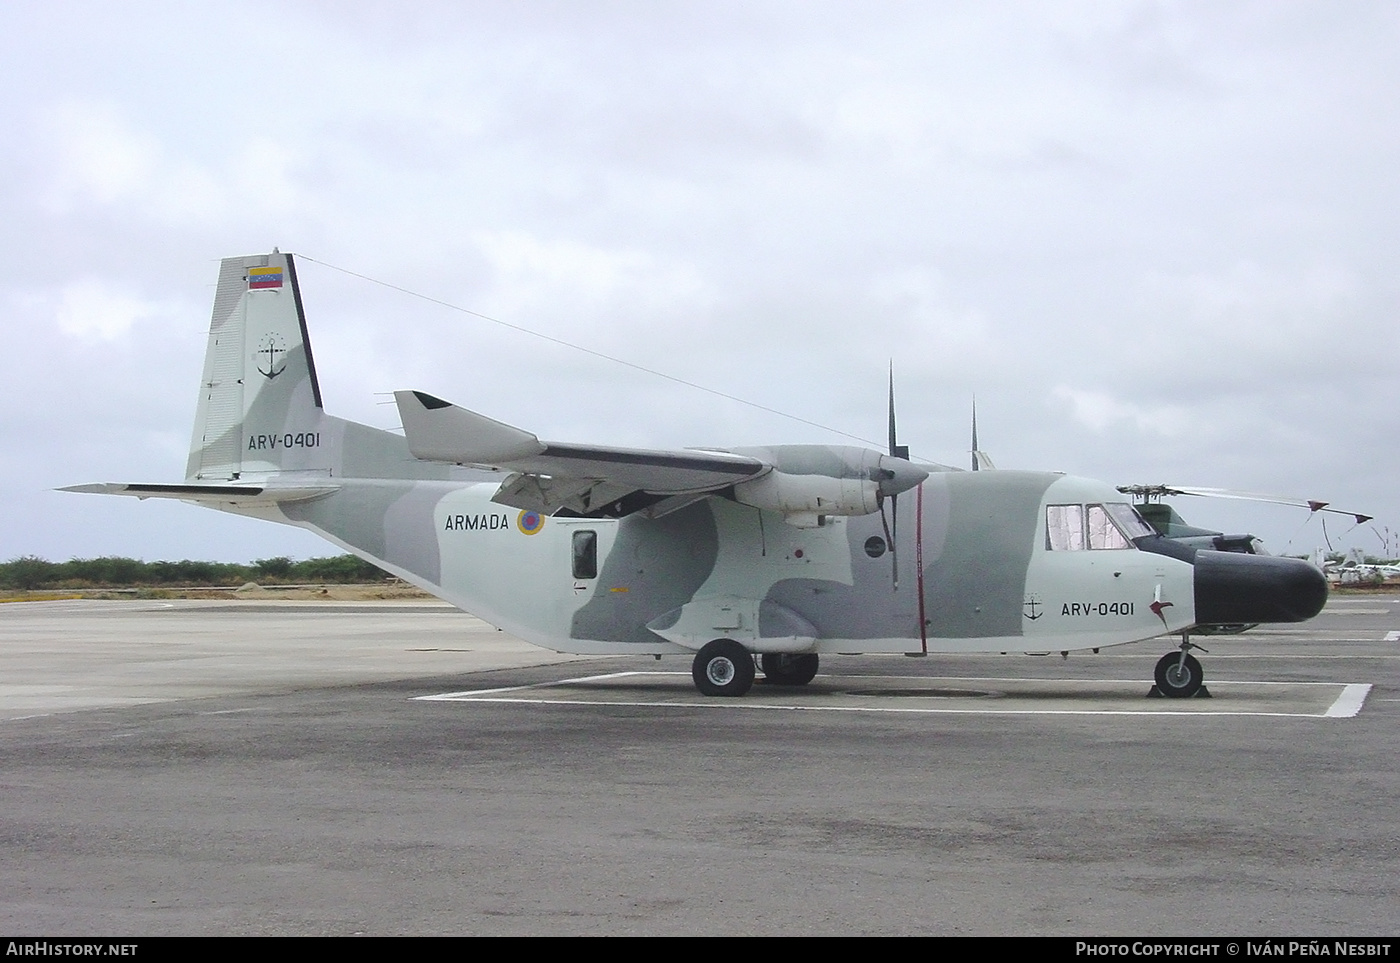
column 401, row 768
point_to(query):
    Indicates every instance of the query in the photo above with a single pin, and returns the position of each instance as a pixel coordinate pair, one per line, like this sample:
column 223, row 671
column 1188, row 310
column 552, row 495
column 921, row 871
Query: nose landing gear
column 1178, row 674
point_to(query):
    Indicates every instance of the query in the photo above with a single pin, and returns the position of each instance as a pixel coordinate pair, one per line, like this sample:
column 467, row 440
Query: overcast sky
column 1158, row 241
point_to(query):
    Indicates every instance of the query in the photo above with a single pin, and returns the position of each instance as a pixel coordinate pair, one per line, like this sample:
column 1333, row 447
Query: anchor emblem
column 1032, row 608
column 272, row 348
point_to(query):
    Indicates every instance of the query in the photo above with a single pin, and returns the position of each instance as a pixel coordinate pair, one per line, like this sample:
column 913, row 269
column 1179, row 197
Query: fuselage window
column 585, row 554
column 1102, row 532
column 1064, row 528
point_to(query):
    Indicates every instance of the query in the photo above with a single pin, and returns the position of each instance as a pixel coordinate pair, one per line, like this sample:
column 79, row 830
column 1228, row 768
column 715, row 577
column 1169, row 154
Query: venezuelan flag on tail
column 262, row 278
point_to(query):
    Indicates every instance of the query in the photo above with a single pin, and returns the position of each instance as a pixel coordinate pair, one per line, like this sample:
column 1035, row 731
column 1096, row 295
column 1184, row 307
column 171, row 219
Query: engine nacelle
column 809, row 482
column 804, row 500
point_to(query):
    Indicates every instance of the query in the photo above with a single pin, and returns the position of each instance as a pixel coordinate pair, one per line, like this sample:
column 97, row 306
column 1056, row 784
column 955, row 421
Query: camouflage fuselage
column 718, row 569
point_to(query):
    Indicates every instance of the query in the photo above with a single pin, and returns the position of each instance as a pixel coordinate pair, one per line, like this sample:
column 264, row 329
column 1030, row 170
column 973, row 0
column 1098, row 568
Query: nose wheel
column 1178, row 674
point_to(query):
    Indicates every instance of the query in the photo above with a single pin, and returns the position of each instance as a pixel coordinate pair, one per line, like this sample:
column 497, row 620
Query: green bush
column 278, row 567
column 27, row 572
column 340, row 568
column 31, row 572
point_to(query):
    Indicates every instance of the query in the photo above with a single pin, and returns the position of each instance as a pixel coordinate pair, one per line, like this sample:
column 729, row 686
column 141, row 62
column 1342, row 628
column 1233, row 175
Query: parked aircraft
column 784, row 553
column 1165, row 520
column 1353, row 569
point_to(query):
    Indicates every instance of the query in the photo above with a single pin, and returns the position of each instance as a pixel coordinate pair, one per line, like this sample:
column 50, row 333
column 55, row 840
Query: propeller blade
column 890, row 536
column 975, row 466
column 892, row 435
column 896, row 449
column 892, row 532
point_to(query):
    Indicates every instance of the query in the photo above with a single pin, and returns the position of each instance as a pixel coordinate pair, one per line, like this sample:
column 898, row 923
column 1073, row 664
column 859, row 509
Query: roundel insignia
column 529, row 522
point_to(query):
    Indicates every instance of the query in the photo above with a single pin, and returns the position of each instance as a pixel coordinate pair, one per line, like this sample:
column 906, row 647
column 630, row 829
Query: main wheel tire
column 723, row 668
column 1178, row 678
column 784, row 669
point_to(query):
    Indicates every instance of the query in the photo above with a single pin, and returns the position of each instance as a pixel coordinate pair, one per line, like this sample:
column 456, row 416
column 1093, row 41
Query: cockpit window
column 1128, row 519
column 1102, row 532
column 1064, row 528
column 1074, row 528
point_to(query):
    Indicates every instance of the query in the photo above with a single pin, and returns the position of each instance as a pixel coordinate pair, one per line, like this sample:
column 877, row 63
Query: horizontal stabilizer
column 212, row 494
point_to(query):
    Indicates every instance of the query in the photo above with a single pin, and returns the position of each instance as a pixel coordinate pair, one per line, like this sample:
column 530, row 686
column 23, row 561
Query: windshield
column 1128, row 519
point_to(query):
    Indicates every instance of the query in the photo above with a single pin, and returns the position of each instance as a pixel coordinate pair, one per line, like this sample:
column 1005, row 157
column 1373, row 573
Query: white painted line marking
column 471, row 694
column 1392, row 636
column 1348, row 704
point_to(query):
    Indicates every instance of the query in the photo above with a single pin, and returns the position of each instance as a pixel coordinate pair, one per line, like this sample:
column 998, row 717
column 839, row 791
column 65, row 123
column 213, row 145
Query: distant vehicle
column 779, row 554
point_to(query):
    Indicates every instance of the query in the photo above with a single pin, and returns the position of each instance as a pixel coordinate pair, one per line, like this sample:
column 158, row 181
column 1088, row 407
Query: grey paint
column 371, row 453
column 975, row 586
column 835, row 461
column 778, row 621
column 870, row 608
column 283, row 404
column 661, row 562
column 978, row 537
column 363, row 515
column 216, row 446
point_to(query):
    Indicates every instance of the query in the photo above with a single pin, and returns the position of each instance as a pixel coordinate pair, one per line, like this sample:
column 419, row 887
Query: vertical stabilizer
column 259, row 402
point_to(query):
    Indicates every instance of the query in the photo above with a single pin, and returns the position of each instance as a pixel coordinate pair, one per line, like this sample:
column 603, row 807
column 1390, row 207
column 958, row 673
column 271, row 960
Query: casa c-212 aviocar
column 778, row 555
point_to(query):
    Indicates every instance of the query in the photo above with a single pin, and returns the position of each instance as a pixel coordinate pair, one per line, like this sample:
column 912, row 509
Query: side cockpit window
column 1064, row 528
column 1074, row 528
column 1102, row 532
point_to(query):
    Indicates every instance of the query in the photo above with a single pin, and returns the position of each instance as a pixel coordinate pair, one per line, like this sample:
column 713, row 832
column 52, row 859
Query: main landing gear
column 784, row 669
column 1178, row 674
column 725, row 668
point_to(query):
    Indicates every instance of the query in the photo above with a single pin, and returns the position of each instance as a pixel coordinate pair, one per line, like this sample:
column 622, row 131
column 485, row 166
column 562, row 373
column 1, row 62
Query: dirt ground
column 373, row 591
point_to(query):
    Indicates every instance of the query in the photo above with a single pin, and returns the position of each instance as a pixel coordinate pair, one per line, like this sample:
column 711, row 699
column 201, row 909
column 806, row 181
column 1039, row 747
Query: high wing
column 248, row 495
column 567, row 479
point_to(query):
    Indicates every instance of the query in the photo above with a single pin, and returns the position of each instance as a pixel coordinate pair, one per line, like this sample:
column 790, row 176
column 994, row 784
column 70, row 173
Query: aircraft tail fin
column 259, row 400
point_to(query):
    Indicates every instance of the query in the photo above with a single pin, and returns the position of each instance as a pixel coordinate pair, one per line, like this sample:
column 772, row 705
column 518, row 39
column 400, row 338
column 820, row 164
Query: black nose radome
column 1232, row 588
